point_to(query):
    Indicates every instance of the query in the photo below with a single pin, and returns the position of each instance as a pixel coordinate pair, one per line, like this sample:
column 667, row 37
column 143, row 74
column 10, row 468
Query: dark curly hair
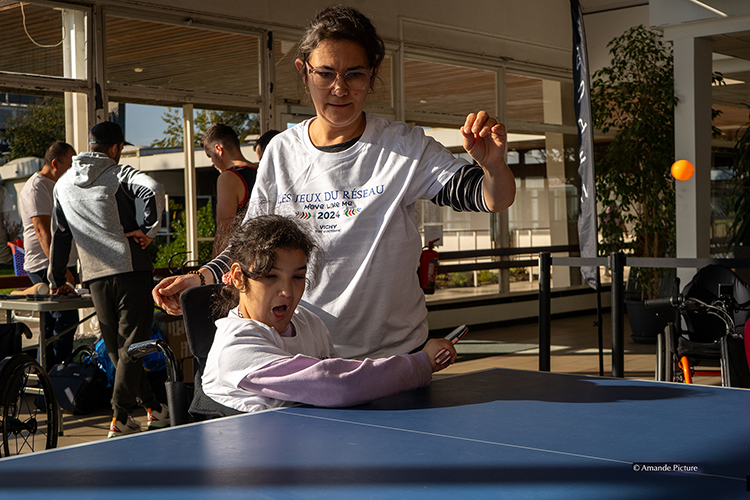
column 254, row 244
column 342, row 23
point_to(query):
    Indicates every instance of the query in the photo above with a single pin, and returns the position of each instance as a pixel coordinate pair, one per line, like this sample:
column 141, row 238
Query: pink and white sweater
column 251, row 367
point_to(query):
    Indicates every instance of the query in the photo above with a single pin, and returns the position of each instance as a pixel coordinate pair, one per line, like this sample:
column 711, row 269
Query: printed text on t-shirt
column 328, row 208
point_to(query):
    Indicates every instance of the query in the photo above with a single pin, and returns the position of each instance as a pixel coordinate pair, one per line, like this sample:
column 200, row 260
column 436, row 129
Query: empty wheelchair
column 714, row 306
column 29, row 415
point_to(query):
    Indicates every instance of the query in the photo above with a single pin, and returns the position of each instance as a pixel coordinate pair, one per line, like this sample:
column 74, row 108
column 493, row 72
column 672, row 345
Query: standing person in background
column 95, row 205
column 262, row 142
column 359, row 176
column 35, row 204
column 6, row 207
column 235, row 182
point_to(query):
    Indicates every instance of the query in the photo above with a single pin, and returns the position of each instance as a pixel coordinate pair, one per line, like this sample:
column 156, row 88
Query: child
column 271, row 351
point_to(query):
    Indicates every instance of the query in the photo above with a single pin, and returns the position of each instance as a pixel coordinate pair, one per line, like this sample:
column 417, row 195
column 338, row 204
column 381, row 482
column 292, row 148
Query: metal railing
column 616, row 263
column 496, row 252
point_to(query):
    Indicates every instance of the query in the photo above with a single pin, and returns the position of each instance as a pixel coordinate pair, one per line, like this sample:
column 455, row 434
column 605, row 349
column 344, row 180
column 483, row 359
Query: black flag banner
column 587, row 227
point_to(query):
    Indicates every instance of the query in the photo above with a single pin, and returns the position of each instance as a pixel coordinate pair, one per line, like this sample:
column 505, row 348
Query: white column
column 555, row 148
column 692, row 72
column 502, row 220
column 74, row 66
column 191, row 211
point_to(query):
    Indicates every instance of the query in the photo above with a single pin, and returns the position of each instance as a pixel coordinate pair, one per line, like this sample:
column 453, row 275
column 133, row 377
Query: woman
column 358, row 176
column 270, row 351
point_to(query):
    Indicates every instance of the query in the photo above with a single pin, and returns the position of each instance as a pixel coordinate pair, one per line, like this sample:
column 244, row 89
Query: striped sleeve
column 463, row 192
column 220, row 265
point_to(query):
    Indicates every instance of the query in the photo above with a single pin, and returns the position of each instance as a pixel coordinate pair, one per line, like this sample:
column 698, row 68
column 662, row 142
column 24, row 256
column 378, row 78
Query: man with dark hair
column 35, row 205
column 95, row 205
column 262, row 142
column 235, row 182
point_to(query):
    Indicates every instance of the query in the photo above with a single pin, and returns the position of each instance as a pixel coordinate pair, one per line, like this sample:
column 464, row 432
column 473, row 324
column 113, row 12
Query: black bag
column 80, row 385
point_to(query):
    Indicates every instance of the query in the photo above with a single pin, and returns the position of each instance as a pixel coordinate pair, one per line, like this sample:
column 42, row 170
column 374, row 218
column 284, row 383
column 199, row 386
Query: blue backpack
column 153, row 362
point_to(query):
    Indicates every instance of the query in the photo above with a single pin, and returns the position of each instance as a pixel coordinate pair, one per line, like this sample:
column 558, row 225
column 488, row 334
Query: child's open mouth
column 279, row 311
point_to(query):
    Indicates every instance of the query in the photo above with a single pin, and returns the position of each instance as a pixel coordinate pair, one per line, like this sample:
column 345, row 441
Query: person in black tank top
column 235, row 182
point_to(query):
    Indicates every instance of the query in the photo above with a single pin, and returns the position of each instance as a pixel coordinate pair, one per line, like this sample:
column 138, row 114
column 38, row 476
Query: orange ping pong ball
column 682, row 170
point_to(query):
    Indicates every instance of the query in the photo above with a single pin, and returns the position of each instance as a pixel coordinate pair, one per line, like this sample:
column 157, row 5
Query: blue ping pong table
column 491, row 434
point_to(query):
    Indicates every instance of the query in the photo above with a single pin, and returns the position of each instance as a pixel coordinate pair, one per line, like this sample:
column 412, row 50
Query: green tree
column 242, row 123
column 740, row 196
column 178, row 245
column 635, row 98
column 31, row 133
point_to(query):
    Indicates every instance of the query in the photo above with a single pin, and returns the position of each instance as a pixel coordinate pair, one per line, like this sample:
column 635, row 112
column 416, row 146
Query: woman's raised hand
column 484, row 139
column 167, row 292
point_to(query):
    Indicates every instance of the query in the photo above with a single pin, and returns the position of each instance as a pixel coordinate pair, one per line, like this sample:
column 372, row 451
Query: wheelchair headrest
column 199, row 317
column 705, row 286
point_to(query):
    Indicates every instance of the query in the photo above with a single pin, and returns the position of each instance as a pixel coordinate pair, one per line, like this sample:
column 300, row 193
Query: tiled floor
column 574, row 350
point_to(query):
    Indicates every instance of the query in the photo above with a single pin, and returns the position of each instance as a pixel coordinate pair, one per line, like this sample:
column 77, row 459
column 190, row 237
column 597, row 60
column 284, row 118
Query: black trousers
column 125, row 310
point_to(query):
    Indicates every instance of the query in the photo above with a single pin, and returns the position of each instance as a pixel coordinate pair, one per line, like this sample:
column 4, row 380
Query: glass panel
column 180, row 57
column 534, row 157
column 148, row 126
column 29, row 124
column 723, row 193
column 524, row 99
column 12, row 106
column 526, row 155
column 443, row 89
column 380, row 99
column 729, row 122
column 33, row 39
column 514, row 158
column 287, row 88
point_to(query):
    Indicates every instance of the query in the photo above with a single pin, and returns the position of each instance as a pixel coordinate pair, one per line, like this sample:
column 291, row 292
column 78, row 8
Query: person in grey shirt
column 35, row 205
column 95, row 206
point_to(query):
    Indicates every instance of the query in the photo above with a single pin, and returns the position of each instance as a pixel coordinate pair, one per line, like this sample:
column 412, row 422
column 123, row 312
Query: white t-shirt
column 242, row 346
column 361, row 205
column 35, row 200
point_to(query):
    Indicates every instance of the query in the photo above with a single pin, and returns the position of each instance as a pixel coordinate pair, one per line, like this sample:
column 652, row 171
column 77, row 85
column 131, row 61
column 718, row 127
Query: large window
column 524, row 98
column 444, row 93
column 34, row 38
column 180, row 58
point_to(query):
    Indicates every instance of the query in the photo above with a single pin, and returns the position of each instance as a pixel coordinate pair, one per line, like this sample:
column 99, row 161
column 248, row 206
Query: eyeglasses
column 354, row 80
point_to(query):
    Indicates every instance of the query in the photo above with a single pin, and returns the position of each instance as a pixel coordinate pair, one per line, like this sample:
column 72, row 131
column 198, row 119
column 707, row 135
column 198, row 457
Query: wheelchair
column 187, row 402
column 29, row 413
column 714, row 335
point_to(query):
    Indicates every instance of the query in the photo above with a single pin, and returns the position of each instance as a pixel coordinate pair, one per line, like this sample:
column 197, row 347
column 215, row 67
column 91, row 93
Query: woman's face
column 273, row 298
column 339, row 108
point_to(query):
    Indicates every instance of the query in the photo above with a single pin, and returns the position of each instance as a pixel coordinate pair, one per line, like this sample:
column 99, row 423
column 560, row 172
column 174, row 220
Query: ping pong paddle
column 454, row 336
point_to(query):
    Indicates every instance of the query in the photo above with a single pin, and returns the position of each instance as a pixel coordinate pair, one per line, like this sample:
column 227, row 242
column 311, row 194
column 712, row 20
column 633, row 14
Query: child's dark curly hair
column 253, row 246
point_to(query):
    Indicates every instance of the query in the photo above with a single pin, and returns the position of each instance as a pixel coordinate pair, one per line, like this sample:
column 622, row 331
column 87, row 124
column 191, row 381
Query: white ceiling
column 593, row 6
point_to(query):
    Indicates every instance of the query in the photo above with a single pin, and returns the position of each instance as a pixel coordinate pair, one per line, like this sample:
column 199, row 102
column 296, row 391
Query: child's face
column 273, row 298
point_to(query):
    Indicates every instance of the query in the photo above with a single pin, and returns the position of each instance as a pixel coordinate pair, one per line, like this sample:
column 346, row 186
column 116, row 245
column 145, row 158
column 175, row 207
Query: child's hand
column 433, row 347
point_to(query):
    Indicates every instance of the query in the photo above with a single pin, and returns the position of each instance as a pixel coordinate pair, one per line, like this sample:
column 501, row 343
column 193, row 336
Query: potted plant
column 634, row 98
column 739, row 240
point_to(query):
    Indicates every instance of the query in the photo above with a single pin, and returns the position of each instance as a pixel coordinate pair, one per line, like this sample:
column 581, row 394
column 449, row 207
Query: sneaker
column 118, row 428
column 158, row 419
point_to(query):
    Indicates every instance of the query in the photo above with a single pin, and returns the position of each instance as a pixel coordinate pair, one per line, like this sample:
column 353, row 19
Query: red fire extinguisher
column 428, row 264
